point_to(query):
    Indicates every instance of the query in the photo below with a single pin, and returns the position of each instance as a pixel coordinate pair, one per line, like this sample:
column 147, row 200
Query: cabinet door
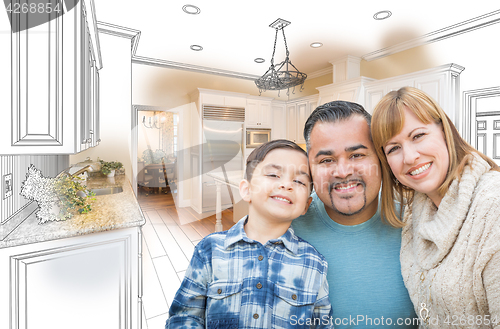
column 252, row 114
column 85, row 88
column 312, row 106
column 89, row 281
column 435, row 86
column 302, row 115
column 265, row 118
column 209, row 99
column 234, row 101
column 279, row 122
column 326, row 99
column 348, row 95
column 49, row 86
column 36, row 84
column 372, row 97
column 291, row 122
column 95, row 133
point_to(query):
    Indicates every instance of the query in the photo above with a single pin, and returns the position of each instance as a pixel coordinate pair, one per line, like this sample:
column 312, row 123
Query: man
column 343, row 222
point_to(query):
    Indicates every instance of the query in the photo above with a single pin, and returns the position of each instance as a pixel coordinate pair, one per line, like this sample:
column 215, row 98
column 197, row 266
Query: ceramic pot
column 111, row 174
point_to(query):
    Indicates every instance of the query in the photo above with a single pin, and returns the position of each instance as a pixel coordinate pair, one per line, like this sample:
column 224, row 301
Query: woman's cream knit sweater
column 450, row 256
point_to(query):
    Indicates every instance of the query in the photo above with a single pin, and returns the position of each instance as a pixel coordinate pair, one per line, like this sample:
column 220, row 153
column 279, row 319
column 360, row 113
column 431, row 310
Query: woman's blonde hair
column 388, row 120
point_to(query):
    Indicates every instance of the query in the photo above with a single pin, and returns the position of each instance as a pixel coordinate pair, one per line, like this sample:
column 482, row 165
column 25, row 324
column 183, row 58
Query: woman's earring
column 397, row 182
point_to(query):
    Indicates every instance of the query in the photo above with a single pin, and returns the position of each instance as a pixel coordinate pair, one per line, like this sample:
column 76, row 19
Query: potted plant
column 108, row 168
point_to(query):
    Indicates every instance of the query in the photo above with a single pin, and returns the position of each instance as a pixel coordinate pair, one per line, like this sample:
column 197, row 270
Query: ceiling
column 234, row 33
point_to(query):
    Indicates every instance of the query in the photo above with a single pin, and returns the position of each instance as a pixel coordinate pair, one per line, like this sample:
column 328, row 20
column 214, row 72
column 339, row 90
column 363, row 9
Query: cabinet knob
column 91, row 132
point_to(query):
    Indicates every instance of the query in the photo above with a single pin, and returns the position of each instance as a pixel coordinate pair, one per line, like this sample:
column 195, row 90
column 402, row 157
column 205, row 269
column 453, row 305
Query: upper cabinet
column 53, row 85
column 441, row 83
column 298, row 113
column 219, row 98
column 351, row 90
column 279, row 120
column 258, row 112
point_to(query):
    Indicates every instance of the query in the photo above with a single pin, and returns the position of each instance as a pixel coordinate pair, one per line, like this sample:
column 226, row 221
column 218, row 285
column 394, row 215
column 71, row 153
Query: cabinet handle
column 91, row 132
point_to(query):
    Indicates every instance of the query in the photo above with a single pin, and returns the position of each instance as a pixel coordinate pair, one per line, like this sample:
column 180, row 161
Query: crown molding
column 319, row 73
column 122, row 32
column 221, row 92
column 346, row 83
column 447, row 32
column 193, row 68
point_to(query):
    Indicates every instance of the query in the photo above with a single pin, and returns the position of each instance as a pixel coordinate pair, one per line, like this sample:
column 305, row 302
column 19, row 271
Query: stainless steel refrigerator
column 222, row 150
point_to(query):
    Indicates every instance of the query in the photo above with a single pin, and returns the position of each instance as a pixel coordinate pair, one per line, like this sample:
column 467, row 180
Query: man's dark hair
column 333, row 112
column 258, row 155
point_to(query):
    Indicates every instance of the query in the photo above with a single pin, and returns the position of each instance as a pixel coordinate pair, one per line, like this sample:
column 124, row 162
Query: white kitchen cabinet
column 291, row 122
column 53, row 105
column 303, row 112
column 258, row 113
column 279, row 120
column 88, row 281
column 220, row 98
column 441, row 83
column 372, row 96
column 298, row 111
column 350, row 90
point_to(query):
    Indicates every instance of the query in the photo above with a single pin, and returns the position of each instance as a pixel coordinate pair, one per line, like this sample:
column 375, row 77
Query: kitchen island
column 84, row 272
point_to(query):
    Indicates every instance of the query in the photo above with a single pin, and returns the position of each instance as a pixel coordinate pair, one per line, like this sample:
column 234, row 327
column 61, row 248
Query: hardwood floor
column 169, row 238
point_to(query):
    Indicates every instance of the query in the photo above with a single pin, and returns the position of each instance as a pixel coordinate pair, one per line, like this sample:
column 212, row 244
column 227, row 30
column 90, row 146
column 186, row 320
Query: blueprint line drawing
column 117, row 81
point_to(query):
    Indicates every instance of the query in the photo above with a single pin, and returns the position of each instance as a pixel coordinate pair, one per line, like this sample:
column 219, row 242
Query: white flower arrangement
column 57, row 198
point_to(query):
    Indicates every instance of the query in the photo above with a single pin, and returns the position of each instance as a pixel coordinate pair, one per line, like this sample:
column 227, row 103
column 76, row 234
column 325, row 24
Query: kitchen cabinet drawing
column 73, row 72
column 54, row 86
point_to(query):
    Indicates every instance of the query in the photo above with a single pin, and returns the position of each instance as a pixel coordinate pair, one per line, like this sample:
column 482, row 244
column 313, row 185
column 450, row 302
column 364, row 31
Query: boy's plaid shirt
column 235, row 282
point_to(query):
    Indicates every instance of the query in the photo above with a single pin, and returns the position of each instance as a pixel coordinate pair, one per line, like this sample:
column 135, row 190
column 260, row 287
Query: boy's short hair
column 258, row 155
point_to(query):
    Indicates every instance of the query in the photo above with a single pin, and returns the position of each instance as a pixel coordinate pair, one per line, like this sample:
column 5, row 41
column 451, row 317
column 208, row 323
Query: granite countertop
column 109, row 212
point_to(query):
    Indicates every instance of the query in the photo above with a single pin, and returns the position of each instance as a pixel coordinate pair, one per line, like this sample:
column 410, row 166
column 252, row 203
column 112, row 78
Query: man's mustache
column 336, row 183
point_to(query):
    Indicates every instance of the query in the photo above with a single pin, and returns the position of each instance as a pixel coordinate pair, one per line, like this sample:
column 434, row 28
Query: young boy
column 259, row 274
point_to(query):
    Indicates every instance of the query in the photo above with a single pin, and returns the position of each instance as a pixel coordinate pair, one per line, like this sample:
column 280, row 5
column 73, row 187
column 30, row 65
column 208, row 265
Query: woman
column 450, row 192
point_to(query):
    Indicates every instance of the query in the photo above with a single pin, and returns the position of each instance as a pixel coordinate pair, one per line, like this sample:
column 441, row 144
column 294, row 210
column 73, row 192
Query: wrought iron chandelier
column 155, row 123
column 283, row 75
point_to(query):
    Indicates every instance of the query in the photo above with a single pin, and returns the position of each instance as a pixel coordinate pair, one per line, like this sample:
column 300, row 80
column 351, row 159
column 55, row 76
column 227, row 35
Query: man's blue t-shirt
column 364, row 271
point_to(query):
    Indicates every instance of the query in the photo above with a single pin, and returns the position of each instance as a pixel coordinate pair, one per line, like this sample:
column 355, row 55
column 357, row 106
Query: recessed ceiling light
column 382, row 15
column 190, row 9
column 259, row 60
column 196, row 48
column 316, row 44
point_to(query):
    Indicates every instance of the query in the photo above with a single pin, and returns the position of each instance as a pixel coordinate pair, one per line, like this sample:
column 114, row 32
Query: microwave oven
column 257, row 137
